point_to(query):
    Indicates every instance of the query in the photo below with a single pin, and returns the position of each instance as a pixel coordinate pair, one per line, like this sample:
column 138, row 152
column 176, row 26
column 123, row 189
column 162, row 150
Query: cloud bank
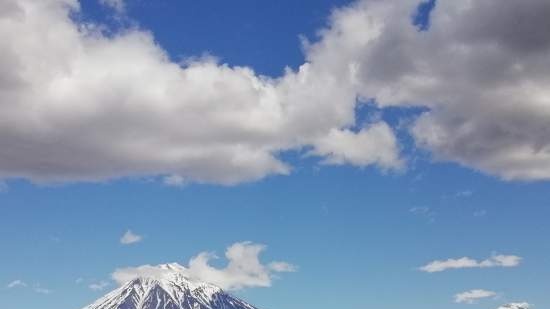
column 79, row 105
column 91, row 107
column 243, row 270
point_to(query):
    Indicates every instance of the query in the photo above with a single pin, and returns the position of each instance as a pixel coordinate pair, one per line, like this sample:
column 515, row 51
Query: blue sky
column 357, row 226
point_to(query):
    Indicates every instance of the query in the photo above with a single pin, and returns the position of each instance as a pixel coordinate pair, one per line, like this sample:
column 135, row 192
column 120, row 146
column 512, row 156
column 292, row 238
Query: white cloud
column 243, row 270
column 21, row 284
column 99, row 286
column 480, row 213
column 174, row 181
column 420, row 210
column 371, row 145
column 466, row 262
column 523, row 305
column 16, row 283
column 471, row 297
column 42, row 290
column 123, row 275
column 97, row 107
column 118, row 5
column 282, row 267
column 130, row 238
column 464, row 193
column 424, row 212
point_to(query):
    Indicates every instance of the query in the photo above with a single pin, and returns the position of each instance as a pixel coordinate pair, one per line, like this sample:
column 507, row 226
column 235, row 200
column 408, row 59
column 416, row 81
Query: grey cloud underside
column 482, row 68
column 76, row 105
column 500, row 120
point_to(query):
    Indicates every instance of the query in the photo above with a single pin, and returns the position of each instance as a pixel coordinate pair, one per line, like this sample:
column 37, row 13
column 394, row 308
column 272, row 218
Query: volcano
column 173, row 290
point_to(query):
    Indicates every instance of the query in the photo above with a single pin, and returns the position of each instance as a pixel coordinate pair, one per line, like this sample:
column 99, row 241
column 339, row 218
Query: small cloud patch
column 130, row 238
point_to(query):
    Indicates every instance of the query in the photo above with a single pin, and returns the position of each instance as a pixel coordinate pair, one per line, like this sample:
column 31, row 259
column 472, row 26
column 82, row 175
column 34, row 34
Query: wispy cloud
column 21, row 284
column 464, row 193
column 130, row 238
column 282, row 267
column 480, row 213
column 118, row 5
column 244, row 268
column 42, row 290
column 472, row 296
column 174, row 181
column 425, row 212
column 99, row 286
column 15, row 284
column 466, row 262
column 3, row 186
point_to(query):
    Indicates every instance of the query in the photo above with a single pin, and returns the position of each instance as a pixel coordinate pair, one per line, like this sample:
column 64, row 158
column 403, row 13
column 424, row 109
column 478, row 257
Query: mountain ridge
column 173, row 290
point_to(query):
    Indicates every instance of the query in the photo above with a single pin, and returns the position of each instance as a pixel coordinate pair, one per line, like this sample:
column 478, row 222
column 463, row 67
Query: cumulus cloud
column 471, row 297
column 481, row 70
column 523, row 305
column 243, row 270
column 15, row 284
column 130, row 238
column 466, row 262
column 375, row 144
column 92, row 107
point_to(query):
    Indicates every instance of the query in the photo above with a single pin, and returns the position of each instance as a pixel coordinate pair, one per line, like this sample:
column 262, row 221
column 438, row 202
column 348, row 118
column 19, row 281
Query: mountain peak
column 172, row 266
column 173, row 290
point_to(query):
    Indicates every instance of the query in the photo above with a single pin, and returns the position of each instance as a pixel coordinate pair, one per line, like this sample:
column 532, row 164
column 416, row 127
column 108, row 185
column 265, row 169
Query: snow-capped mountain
column 172, row 291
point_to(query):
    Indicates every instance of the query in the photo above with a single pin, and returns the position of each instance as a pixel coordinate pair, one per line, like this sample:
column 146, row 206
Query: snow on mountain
column 172, row 291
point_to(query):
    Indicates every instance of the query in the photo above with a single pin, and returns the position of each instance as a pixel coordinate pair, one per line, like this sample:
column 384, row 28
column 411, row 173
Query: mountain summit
column 171, row 291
